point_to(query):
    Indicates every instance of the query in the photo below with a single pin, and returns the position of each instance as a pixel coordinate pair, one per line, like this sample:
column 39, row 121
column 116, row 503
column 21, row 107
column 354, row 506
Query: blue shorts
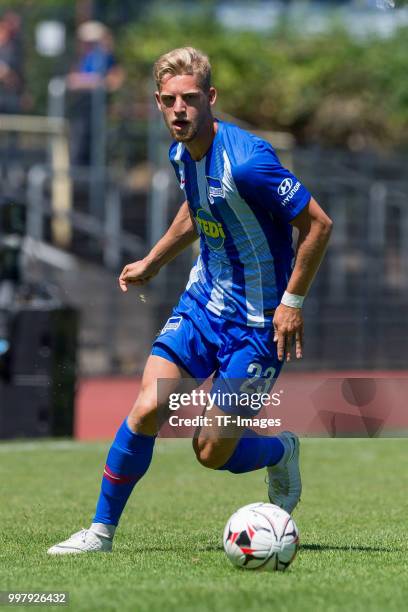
column 204, row 344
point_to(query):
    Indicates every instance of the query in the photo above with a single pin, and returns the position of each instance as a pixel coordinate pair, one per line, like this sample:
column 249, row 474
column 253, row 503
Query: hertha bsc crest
column 215, row 188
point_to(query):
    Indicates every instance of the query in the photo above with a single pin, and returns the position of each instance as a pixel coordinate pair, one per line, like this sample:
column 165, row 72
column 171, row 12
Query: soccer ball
column 261, row 536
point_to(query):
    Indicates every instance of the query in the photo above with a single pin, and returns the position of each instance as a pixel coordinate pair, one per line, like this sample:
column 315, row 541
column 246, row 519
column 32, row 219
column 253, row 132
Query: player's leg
column 248, row 451
column 234, row 448
column 129, row 456
column 230, row 447
column 131, row 452
column 245, row 451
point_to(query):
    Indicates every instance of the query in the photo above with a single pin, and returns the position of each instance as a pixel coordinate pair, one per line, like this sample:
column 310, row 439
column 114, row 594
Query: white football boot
column 284, row 481
column 82, row 542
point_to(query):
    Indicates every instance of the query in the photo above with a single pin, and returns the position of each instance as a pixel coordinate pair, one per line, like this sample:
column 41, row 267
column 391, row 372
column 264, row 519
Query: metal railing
column 46, row 189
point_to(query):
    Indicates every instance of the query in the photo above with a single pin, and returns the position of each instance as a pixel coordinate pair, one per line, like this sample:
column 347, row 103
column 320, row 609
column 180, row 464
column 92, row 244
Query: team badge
column 172, row 323
column 215, row 189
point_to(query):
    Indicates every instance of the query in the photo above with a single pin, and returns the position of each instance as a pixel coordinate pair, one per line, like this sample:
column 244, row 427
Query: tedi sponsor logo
column 211, row 228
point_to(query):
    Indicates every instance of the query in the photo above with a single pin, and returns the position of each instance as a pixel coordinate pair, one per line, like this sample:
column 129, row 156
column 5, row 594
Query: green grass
column 168, row 553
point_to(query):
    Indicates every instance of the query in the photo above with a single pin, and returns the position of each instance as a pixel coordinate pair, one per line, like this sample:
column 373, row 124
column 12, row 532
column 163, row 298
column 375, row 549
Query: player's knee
column 143, row 416
column 208, row 454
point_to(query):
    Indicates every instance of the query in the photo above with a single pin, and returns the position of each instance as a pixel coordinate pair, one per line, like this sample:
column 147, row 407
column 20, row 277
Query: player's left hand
column 288, row 328
column 138, row 273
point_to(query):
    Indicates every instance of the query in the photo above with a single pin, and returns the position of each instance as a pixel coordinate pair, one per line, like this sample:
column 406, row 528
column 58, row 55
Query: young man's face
column 185, row 106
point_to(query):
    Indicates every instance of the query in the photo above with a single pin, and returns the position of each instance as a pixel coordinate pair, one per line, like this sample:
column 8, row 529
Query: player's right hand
column 137, row 273
column 288, row 330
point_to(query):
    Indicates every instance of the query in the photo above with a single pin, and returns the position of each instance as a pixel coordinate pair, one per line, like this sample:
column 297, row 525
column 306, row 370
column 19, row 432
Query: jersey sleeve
column 176, row 167
column 262, row 180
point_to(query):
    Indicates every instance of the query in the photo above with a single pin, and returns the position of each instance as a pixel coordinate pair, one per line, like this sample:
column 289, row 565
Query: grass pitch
column 168, row 551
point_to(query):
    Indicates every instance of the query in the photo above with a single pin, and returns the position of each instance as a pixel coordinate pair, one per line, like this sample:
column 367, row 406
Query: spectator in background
column 13, row 22
column 96, row 68
column 11, row 64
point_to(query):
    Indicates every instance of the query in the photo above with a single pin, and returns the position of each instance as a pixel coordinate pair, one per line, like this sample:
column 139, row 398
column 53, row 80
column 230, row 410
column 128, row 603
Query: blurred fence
column 356, row 309
column 355, row 313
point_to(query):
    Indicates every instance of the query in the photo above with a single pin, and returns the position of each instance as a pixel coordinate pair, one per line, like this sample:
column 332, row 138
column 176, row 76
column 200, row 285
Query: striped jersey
column 242, row 200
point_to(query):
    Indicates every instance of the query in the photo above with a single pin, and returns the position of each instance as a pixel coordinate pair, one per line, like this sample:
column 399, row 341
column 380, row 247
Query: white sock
column 107, row 531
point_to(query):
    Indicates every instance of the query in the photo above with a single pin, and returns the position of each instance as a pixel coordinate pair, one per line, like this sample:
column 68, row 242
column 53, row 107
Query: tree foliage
column 330, row 88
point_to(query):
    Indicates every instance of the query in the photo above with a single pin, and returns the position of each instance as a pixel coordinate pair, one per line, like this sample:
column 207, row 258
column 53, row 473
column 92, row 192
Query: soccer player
column 240, row 315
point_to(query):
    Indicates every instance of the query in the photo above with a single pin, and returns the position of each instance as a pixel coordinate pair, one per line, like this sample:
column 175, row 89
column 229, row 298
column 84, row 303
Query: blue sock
column 128, row 460
column 254, row 452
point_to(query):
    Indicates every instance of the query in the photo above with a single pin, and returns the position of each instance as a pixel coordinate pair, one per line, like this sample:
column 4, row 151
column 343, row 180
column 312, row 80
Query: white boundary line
column 73, row 445
column 46, row 445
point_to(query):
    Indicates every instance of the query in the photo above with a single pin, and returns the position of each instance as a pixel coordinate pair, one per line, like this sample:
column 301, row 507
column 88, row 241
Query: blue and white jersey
column 242, row 201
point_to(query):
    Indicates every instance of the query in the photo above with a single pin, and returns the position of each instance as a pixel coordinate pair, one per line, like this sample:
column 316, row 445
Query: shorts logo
column 285, row 186
column 172, row 323
column 212, row 229
column 215, row 189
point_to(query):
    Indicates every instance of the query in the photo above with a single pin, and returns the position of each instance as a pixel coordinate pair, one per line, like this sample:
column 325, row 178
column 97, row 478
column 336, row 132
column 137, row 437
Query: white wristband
column 292, row 300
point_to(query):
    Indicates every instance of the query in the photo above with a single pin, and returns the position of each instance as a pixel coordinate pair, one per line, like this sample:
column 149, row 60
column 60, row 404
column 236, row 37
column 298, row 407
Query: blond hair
column 185, row 60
